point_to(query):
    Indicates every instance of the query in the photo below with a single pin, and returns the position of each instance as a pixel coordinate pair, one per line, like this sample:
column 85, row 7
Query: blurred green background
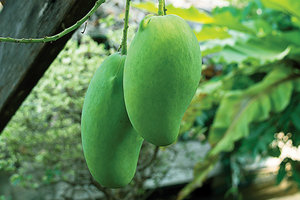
column 245, row 116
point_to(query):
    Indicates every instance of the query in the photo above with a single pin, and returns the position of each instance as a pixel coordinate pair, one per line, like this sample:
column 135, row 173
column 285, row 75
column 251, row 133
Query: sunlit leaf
column 190, row 14
column 147, row 6
column 213, row 32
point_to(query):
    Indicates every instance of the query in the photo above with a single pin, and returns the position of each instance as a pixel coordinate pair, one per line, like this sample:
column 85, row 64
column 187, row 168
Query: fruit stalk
column 125, row 29
column 161, row 7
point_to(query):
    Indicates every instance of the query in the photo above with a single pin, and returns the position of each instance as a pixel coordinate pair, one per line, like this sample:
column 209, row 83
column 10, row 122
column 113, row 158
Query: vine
column 59, row 35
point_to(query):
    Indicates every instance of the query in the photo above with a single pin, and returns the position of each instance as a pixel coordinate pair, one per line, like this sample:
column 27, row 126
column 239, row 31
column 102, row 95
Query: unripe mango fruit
column 111, row 146
column 161, row 75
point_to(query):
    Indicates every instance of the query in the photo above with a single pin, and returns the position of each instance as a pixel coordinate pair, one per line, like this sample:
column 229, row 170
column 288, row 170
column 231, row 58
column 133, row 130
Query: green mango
column 162, row 72
column 110, row 144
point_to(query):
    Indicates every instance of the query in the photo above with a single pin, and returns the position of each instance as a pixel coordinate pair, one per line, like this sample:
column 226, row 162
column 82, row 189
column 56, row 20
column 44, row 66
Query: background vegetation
column 246, row 107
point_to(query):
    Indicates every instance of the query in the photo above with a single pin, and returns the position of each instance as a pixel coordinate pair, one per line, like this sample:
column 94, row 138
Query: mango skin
column 111, row 146
column 162, row 72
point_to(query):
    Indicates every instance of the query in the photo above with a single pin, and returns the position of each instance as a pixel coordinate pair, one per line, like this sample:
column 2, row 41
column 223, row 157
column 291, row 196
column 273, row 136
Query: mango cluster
column 139, row 96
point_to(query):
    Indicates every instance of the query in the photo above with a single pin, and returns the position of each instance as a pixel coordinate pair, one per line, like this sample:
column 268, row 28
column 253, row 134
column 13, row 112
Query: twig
column 152, row 159
column 108, row 195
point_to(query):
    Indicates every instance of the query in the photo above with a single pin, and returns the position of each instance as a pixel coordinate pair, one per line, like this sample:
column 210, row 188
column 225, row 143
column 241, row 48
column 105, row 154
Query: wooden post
column 22, row 65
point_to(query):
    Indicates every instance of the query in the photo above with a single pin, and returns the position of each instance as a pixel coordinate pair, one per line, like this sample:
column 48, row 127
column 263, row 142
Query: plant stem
column 161, row 7
column 59, row 35
column 125, row 30
column 165, row 10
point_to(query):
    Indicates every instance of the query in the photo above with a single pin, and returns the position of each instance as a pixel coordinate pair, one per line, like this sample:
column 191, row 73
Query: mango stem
column 125, row 29
column 161, row 7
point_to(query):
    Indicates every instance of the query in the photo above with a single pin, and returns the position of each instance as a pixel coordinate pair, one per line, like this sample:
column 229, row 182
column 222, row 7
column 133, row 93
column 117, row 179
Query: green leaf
column 259, row 26
column 296, row 21
column 237, row 111
column 213, row 32
column 240, row 108
column 292, row 37
column 291, row 7
column 297, row 85
column 274, row 152
column 295, row 117
column 190, row 14
column 231, row 22
column 261, row 50
column 218, row 45
column 281, row 172
column 215, row 46
column 296, row 174
column 231, row 55
column 261, row 135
